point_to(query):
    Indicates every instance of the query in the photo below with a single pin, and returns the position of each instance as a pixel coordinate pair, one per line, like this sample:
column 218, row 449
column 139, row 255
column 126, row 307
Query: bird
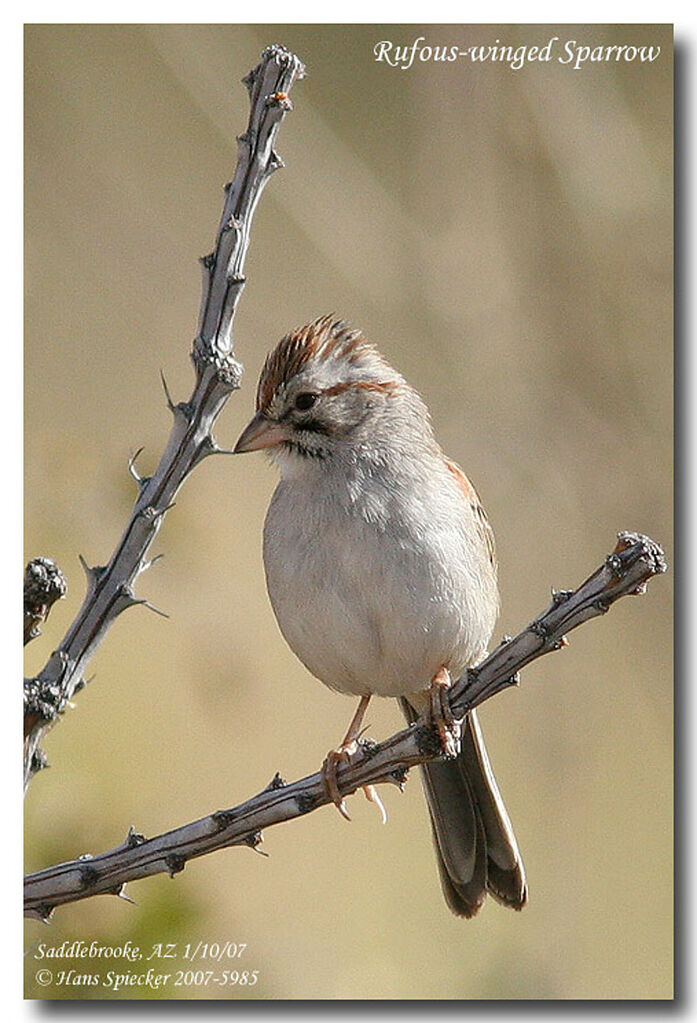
column 381, row 571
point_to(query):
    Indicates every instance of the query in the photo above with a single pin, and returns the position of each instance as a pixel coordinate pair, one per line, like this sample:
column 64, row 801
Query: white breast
column 379, row 581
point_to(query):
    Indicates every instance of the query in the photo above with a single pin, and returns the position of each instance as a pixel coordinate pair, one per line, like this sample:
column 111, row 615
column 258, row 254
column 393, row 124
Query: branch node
column 279, row 99
column 428, row 740
column 368, row 748
column 175, row 863
column 614, row 563
column 89, row 875
column 228, row 370
column 539, row 628
column 223, row 818
column 207, row 447
column 399, row 776
column 153, row 514
column 560, row 596
column 306, row 802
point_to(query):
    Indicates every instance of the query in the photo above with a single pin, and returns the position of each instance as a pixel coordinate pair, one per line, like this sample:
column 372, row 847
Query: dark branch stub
column 44, row 584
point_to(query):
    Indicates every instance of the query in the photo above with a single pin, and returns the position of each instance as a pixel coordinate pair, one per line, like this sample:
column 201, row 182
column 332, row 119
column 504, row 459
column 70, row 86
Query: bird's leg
column 448, row 727
column 348, row 746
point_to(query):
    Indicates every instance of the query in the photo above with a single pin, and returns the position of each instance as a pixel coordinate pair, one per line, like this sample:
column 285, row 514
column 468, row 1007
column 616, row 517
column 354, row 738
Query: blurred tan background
column 506, row 238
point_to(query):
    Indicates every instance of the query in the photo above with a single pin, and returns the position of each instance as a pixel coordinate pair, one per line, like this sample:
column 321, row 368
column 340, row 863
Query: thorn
column 148, row 564
column 92, row 572
column 275, row 162
column 42, row 913
column 277, row 782
column 170, row 404
column 151, row 607
column 132, row 467
column 120, row 893
column 254, row 839
column 134, row 838
column 216, row 450
column 341, row 807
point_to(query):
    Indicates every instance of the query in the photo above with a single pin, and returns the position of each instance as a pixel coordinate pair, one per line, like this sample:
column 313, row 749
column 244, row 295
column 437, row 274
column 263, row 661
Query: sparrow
column 381, row 572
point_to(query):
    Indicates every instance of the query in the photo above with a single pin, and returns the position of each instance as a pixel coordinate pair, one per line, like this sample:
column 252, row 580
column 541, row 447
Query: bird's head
column 322, row 390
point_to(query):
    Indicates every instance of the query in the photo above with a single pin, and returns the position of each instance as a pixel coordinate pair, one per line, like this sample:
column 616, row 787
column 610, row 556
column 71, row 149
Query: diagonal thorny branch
column 626, row 571
column 110, row 587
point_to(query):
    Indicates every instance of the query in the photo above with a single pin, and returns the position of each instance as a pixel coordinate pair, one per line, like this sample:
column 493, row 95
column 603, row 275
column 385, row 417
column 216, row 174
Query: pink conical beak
column 261, row 432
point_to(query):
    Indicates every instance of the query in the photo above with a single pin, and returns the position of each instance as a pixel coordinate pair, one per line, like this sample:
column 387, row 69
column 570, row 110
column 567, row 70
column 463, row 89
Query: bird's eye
column 305, row 401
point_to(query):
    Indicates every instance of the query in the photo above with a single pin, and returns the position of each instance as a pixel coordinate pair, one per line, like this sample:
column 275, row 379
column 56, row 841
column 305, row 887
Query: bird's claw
column 449, row 728
column 329, row 772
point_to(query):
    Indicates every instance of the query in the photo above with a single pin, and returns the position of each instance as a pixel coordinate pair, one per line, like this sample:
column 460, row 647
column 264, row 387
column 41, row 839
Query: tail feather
column 475, row 845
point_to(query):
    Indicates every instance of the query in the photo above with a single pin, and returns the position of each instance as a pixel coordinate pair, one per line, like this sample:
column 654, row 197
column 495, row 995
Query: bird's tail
column 475, row 845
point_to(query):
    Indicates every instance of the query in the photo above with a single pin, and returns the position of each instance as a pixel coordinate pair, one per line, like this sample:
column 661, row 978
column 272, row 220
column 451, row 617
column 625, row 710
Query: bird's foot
column 449, row 728
column 329, row 772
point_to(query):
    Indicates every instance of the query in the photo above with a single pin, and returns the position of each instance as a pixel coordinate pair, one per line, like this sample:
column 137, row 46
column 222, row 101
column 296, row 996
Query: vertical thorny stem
column 218, row 374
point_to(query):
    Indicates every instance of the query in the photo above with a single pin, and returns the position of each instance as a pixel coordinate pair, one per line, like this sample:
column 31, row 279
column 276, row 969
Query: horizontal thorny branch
column 625, row 571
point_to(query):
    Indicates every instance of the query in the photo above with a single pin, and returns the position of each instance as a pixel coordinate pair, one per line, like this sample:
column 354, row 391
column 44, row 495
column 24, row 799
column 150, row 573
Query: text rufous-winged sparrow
column 381, row 572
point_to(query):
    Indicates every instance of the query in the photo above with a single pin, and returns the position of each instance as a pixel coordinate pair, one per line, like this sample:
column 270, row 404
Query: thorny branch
column 110, row 587
column 634, row 561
